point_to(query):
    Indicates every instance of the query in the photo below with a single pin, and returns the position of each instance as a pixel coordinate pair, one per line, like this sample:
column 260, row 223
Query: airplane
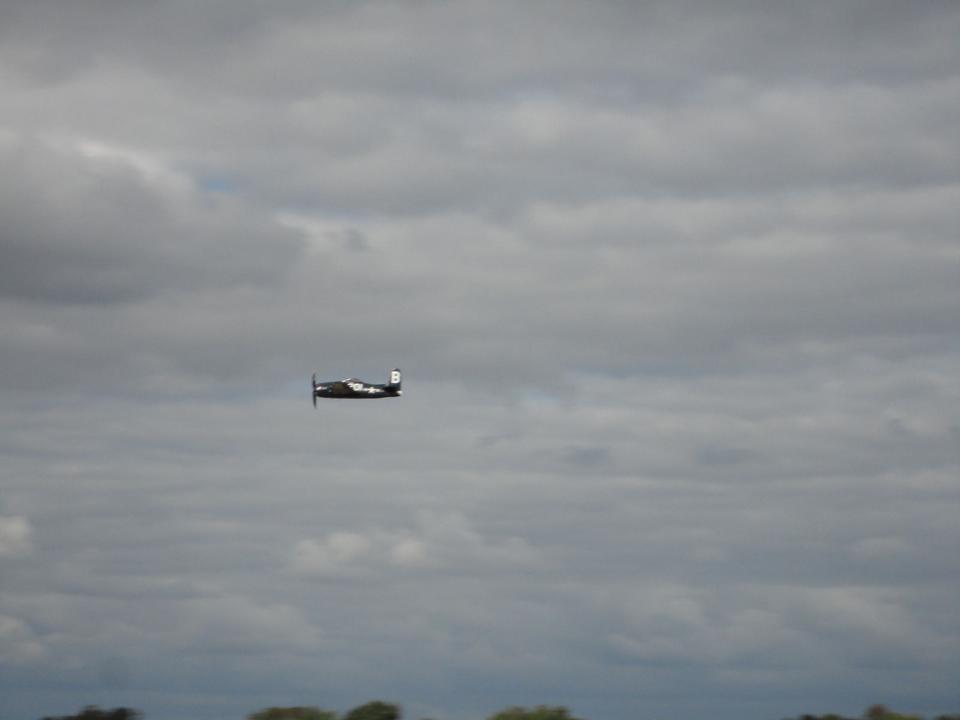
column 353, row 389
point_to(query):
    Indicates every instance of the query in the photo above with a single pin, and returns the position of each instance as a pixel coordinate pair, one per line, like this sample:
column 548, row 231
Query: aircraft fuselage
column 354, row 389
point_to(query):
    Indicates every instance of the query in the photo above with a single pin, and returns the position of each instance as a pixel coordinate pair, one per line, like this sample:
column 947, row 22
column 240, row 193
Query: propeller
column 313, row 388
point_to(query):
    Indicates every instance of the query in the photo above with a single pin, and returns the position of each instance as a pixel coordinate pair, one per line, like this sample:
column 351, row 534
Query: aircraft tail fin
column 396, row 381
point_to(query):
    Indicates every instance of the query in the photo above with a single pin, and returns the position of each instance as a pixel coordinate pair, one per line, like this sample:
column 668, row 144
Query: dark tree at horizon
column 875, row 712
column 376, row 710
column 540, row 712
column 92, row 712
column 293, row 713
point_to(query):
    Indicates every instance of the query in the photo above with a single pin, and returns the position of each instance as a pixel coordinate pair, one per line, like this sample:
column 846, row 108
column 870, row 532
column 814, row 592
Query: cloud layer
column 675, row 292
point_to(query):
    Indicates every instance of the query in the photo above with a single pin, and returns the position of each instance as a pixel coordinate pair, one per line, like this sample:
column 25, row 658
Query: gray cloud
column 674, row 289
column 86, row 225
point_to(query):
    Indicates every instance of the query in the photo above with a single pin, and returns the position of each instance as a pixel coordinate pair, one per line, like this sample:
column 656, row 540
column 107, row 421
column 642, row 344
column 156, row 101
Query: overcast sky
column 675, row 288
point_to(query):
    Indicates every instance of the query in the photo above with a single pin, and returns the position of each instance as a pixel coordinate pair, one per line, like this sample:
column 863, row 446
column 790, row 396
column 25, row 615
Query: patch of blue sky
column 219, row 184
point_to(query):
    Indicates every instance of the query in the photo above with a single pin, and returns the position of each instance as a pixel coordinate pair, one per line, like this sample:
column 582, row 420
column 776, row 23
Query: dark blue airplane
column 353, row 389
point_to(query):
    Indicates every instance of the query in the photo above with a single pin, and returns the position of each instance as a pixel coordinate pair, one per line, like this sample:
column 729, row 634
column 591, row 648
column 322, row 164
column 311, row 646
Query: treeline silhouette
column 875, row 712
column 92, row 712
column 379, row 710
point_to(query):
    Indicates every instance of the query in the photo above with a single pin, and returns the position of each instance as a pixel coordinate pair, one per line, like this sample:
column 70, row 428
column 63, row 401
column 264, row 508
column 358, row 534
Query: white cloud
column 339, row 552
column 16, row 536
column 240, row 625
column 438, row 542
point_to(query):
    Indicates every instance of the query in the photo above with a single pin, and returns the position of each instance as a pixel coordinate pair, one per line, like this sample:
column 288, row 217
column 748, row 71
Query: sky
column 675, row 288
